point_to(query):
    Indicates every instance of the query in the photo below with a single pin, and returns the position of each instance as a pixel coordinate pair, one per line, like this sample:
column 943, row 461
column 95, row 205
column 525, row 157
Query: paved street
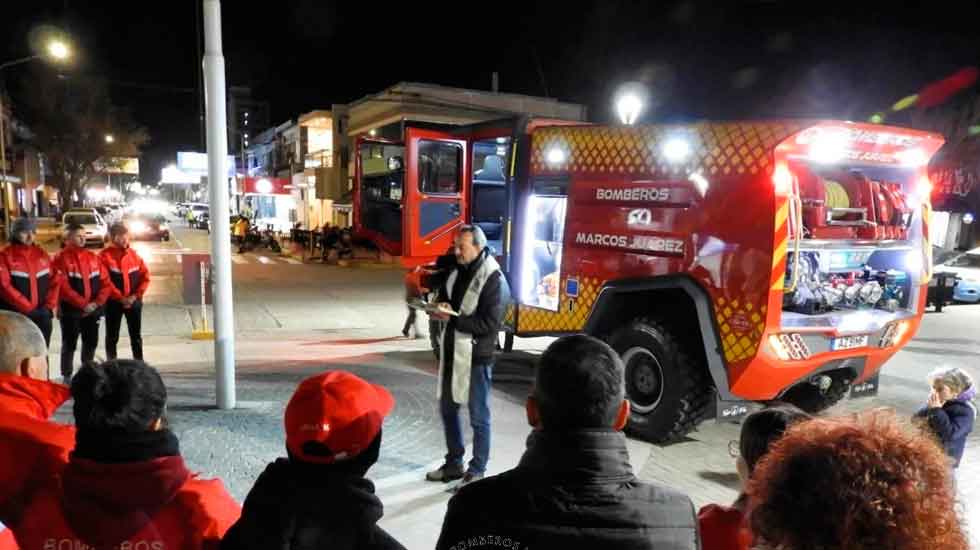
column 296, row 319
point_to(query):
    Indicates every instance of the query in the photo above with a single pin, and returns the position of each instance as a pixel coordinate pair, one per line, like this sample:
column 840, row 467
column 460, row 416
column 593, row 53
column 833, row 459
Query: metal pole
column 3, row 167
column 217, row 138
column 204, row 294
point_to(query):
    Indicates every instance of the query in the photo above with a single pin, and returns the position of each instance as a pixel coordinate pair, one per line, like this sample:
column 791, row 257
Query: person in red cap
column 126, row 485
column 33, row 449
column 318, row 497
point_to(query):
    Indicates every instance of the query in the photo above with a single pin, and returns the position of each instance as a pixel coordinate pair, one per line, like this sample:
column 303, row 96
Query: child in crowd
column 950, row 412
column 725, row 527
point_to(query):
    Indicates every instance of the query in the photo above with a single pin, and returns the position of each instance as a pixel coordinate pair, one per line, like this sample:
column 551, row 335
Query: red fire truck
column 727, row 262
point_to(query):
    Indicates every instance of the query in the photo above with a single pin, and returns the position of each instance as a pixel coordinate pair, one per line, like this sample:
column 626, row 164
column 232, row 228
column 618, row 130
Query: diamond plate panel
column 566, row 319
column 719, row 149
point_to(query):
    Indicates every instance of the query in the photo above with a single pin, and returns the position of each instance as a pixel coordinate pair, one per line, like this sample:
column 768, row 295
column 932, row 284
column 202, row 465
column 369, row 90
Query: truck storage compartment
column 834, row 279
column 852, row 202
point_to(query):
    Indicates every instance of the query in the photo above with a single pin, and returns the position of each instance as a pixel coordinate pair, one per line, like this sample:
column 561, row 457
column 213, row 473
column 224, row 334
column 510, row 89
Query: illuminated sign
column 188, row 161
column 263, row 186
column 266, row 186
column 118, row 165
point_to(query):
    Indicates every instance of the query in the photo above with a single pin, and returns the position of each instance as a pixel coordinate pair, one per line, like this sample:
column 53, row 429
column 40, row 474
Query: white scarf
column 462, row 359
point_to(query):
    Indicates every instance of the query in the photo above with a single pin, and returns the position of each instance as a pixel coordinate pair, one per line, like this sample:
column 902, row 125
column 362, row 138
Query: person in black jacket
column 471, row 303
column 950, row 413
column 318, row 497
column 574, row 487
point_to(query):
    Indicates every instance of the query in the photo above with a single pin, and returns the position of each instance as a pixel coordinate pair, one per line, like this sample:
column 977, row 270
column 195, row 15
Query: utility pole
column 217, row 140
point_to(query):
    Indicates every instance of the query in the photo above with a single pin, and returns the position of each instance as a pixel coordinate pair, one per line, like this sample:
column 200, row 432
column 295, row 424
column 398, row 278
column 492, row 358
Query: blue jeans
column 479, row 406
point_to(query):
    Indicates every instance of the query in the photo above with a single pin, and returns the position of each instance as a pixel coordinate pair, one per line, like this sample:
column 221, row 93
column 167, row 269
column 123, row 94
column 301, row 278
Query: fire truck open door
column 435, row 186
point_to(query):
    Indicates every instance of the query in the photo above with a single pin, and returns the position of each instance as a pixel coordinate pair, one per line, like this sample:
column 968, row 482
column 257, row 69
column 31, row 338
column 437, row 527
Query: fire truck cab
column 726, row 263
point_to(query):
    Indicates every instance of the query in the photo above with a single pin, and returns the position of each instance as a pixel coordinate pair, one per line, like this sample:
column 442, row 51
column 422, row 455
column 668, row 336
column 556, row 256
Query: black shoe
column 445, row 473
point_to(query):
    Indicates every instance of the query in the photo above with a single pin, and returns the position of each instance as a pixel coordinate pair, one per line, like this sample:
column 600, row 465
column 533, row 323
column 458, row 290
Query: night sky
column 747, row 59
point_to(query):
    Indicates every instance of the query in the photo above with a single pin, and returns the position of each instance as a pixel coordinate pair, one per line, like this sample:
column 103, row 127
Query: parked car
column 966, row 267
column 203, row 221
column 111, row 214
column 198, row 210
column 96, row 228
column 148, row 227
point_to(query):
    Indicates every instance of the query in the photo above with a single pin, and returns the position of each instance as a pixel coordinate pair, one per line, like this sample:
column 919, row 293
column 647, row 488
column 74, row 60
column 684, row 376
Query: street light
column 57, row 51
column 630, row 102
column 109, row 138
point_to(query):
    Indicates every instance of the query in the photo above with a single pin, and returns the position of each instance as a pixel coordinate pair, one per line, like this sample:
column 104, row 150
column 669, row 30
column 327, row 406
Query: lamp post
column 57, row 51
column 217, row 141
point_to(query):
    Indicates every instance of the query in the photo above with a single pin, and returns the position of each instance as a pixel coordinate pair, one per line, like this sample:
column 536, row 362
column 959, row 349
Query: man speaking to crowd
column 471, row 304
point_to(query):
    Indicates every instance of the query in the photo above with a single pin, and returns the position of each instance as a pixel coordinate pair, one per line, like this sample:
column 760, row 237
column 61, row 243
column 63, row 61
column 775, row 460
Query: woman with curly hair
column 857, row 483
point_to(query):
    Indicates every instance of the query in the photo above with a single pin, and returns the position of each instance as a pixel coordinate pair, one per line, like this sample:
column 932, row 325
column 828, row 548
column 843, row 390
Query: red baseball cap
column 337, row 409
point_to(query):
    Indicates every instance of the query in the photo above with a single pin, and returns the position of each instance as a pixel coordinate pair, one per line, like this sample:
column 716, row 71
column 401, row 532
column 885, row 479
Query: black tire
column 435, row 330
column 669, row 391
column 811, row 398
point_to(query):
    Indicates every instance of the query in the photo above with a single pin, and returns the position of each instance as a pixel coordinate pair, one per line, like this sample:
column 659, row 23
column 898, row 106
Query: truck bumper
column 766, row 376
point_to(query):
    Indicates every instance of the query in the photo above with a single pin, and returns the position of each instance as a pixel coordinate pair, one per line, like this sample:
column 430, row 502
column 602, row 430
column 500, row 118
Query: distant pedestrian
column 726, row 527
column 413, row 291
column 27, row 284
column 130, row 278
column 126, row 484
column 574, row 487
column 84, row 288
column 950, row 412
column 471, row 304
column 240, row 231
column 318, row 497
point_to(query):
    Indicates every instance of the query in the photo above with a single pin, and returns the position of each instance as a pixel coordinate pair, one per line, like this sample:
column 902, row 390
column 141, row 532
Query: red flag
column 940, row 91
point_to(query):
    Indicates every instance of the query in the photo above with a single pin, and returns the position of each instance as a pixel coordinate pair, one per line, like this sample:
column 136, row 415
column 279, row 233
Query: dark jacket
column 951, row 423
column 290, row 507
column 484, row 323
column 570, row 490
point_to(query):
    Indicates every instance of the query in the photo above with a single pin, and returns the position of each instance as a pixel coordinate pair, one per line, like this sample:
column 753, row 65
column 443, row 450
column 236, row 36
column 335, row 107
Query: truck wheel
column 668, row 390
column 435, row 330
column 812, row 398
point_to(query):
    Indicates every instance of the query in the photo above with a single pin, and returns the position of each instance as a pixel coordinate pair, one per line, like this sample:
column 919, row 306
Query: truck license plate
column 850, row 342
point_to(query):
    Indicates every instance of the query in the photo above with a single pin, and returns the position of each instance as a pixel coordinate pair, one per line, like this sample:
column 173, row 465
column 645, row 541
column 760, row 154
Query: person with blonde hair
column 950, row 412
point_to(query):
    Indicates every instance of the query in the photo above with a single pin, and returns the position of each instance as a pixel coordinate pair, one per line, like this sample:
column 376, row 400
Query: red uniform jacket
column 151, row 505
column 723, row 528
column 127, row 271
column 82, row 279
column 26, row 281
column 32, row 448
